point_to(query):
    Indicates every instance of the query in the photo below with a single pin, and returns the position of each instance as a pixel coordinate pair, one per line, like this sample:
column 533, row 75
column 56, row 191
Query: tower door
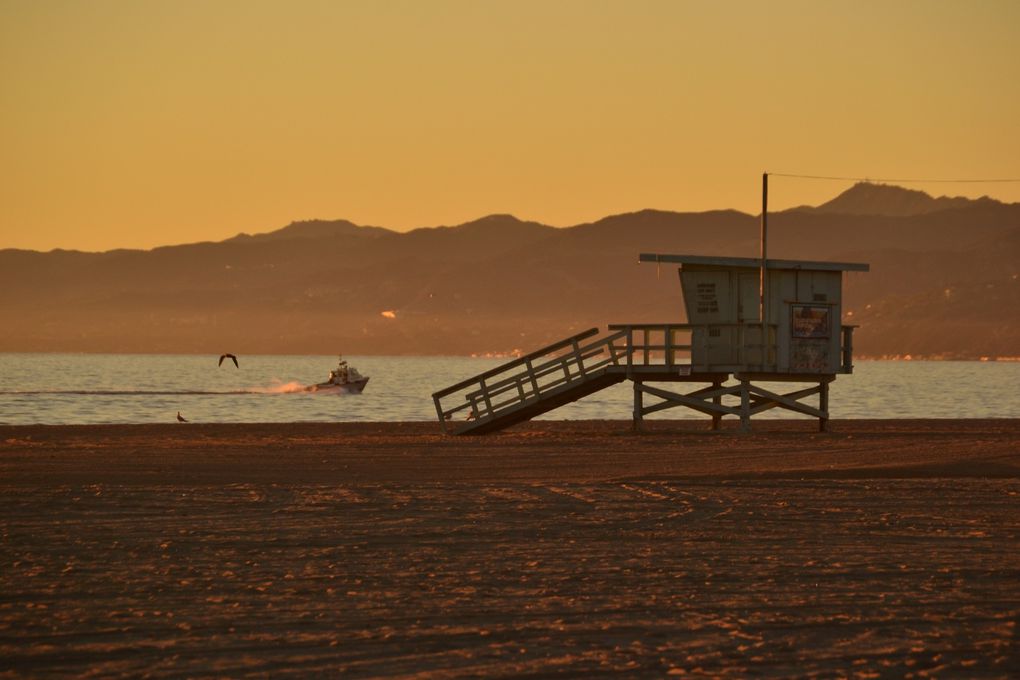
column 748, row 302
column 749, row 332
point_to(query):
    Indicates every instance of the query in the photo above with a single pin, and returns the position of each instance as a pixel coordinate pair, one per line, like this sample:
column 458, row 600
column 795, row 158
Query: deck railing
column 675, row 342
column 646, row 343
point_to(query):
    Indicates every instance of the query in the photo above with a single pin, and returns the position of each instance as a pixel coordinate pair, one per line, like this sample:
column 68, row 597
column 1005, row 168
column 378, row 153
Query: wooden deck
column 582, row 364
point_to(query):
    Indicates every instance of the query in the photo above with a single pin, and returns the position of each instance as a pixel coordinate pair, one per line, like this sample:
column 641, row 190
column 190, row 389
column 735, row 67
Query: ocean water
column 135, row 388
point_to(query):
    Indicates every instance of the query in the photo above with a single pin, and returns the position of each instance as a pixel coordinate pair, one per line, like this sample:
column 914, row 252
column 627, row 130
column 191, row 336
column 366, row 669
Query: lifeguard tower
column 749, row 321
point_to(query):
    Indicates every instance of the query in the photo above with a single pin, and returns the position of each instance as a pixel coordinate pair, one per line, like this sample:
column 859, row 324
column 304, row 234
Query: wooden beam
column 783, row 402
column 675, row 399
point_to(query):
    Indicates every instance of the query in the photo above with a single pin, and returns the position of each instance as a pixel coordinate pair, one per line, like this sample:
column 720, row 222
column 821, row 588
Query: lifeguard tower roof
column 754, row 262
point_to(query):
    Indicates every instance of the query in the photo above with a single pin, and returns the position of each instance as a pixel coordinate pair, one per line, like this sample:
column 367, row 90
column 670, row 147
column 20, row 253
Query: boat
column 343, row 378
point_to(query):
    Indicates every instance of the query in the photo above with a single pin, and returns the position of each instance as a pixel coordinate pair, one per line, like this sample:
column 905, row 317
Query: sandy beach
column 883, row 548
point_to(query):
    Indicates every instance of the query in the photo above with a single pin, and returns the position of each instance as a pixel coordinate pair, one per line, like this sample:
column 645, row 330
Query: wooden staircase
column 533, row 384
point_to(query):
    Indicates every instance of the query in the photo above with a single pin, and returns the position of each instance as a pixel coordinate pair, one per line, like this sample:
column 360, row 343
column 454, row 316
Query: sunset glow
column 137, row 124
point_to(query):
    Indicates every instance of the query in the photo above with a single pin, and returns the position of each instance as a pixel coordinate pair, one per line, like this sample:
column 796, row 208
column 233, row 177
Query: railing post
column 531, row 375
column 645, row 333
column 485, row 396
column 580, row 359
column 668, row 338
column 630, row 352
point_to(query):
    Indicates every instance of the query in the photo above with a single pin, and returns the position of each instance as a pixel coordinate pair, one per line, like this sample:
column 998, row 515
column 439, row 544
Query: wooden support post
column 442, row 416
column 717, row 400
column 745, row 405
column 823, row 405
column 638, row 404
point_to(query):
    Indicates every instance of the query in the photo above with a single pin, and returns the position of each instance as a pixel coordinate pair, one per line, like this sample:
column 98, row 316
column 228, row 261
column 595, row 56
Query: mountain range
column 944, row 282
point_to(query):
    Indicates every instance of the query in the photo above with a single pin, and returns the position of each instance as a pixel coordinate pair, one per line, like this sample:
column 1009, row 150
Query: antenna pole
column 762, row 306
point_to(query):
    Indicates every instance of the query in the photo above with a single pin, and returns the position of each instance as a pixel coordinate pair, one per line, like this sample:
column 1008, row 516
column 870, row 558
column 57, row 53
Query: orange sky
column 140, row 123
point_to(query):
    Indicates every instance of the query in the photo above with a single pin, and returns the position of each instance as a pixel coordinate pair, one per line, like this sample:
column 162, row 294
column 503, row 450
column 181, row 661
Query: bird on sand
column 228, row 356
column 180, row 418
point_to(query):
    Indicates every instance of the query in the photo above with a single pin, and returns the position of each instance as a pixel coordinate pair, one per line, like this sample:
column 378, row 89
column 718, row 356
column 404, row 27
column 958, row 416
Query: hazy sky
column 136, row 124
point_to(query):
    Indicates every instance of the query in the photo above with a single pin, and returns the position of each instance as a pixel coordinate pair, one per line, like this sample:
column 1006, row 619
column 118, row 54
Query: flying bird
column 228, row 356
column 180, row 418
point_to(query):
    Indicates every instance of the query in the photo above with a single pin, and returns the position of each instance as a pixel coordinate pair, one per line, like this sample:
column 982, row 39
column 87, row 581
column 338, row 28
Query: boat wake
column 284, row 388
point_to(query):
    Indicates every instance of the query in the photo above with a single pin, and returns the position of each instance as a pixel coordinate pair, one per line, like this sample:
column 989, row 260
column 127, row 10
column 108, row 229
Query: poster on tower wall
column 810, row 321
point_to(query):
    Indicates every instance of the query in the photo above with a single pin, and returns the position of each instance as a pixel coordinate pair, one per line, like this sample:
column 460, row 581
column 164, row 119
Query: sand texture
column 882, row 549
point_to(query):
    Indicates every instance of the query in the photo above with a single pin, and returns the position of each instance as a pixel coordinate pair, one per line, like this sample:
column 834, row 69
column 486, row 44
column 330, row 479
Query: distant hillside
column 943, row 282
column 865, row 198
column 314, row 229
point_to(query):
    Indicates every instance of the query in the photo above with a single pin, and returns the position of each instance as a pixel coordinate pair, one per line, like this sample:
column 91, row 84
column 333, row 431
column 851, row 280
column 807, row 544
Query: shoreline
column 539, row 451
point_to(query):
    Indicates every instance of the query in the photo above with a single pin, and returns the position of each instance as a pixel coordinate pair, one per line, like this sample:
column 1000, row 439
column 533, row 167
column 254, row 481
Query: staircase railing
column 530, row 377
